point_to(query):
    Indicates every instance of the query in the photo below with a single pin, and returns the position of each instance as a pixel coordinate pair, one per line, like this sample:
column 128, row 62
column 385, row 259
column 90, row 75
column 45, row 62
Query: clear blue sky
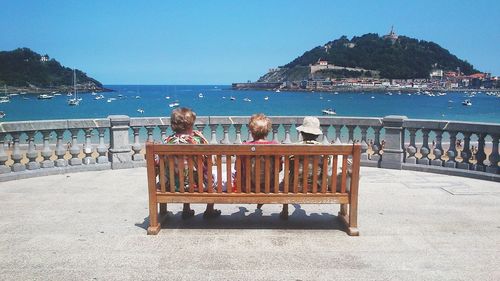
column 219, row 42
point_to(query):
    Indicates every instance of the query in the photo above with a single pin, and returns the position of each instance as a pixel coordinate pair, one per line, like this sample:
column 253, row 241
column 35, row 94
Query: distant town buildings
column 44, row 58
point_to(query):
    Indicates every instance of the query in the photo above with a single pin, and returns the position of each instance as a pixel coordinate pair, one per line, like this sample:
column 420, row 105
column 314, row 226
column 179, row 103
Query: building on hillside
column 391, row 36
column 436, row 74
column 44, row 58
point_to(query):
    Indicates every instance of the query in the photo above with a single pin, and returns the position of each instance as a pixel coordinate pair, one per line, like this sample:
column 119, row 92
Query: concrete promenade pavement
column 91, row 226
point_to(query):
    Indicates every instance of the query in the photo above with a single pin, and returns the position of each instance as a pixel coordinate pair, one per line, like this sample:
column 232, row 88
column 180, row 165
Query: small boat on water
column 2, row 114
column 111, row 99
column 200, row 95
column 5, row 98
column 278, row 91
column 266, row 98
column 247, row 100
column 167, row 97
column 94, row 93
column 329, row 111
column 137, row 97
column 98, row 97
column 44, row 97
column 140, row 110
column 174, row 104
column 232, row 98
column 467, row 102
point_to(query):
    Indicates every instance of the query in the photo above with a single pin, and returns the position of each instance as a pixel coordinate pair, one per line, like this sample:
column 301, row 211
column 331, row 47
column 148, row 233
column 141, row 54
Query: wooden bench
column 333, row 187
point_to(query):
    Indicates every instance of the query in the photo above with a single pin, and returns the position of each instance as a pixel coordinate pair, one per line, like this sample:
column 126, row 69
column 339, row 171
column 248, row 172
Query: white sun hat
column 310, row 125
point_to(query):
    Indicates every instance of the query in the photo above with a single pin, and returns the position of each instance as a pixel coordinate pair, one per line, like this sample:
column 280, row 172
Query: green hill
column 24, row 68
column 401, row 58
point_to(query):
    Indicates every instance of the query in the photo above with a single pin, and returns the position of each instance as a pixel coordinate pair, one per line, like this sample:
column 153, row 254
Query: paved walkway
column 91, row 226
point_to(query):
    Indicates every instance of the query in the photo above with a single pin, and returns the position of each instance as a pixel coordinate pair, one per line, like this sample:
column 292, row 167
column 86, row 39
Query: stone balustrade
column 37, row 148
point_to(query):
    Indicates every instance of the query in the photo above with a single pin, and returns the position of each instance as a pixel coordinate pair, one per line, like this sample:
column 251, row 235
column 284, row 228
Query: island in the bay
column 373, row 62
column 23, row 70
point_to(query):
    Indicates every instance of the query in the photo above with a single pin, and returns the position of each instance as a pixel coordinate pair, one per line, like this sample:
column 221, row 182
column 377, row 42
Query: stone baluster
column 480, row 155
column 288, row 138
column 275, row 128
column 452, row 151
column 46, row 151
column 424, row 150
column 149, row 130
column 101, row 148
column 350, row 131
column 3, row 156
column 250, row 137
column 88, row 160
column 60, row 150
column 16, row 154
column 324, row 129
column 376, row 145
column 494, row 157
column 412, row 148
column 225, row 129
column 32, row 154
column 213, row 133
column 136, row 147
column 364, row 145
column 200, row 127
column 438, row 149
column 163, row 132
column 466, row 153
column 337, row 134
column 75, row 149
column 237, row 128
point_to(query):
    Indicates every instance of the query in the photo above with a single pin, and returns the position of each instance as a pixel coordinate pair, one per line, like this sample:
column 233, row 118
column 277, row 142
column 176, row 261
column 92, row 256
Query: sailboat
column 74, row 100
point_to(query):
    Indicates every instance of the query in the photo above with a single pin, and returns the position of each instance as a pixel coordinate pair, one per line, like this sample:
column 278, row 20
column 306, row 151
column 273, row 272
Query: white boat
column 94, row 93
column 74, row 100
column 69, row 94
column 2, row 114
column 467, row 103
column 266, row 98
column 174, row 104
column 167, row 97
column 111, row 99
column 5, row 98
column 140, row 110
column 278, row 91
column 247, row 100
column 200, row 95
column 232, row 98
column 44, row 97
column 98, row 97
column 137, row 97
column 329, row 111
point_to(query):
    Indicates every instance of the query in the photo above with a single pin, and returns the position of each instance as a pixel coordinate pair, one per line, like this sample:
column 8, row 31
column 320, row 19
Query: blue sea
column 154, row 101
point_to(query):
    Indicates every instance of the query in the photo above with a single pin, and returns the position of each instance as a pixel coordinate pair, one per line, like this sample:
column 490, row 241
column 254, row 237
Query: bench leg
column 284, row 212
column 350, row 221
column 154, row 225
